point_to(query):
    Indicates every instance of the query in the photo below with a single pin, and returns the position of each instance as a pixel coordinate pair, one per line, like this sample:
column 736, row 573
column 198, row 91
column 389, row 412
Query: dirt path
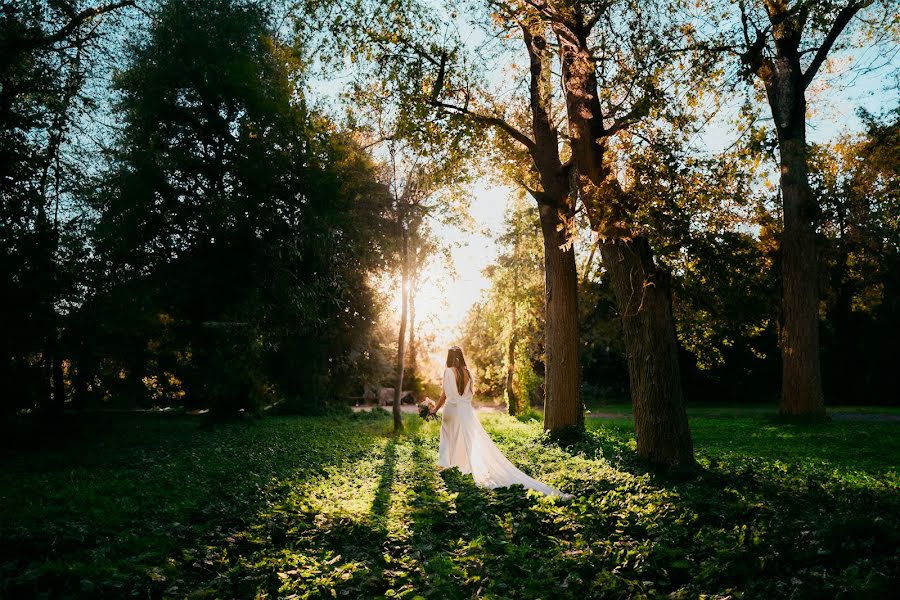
column 837, row 416
column 412, row 408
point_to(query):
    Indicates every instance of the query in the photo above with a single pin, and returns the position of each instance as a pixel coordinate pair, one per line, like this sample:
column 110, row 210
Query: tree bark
column 785, row 83
column 563, row 411
column 642, row 290
column 643, row 295
column 401, row 338
column 801, row 386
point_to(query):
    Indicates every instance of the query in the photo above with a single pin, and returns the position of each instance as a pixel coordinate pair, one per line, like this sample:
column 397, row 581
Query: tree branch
column 478, row 117
column 638, row 111
column 840, row 22
column 488, row 120
column 65, row 31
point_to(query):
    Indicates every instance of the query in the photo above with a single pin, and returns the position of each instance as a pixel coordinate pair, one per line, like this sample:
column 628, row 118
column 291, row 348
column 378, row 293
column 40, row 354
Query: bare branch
column 840, row 23
column 488, row 120
column 65, row 31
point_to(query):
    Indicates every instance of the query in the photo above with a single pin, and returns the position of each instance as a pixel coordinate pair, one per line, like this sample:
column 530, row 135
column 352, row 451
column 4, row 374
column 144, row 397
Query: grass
column 158, row 506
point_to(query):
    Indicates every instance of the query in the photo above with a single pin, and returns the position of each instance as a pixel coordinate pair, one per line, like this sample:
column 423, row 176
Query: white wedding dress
column 466, row 445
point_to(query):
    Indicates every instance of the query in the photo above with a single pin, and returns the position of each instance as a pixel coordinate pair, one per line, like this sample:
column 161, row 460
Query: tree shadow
column 382, row 501
column 742, row 521
column 470, row 536
column 409, row 538
column 382, row 521
column 299, row 547
column 193, row 513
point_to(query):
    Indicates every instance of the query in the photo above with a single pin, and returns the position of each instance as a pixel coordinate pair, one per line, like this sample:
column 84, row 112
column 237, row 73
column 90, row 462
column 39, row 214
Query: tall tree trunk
column 643, row 295
column 563, row 412
column 786, row 82
column 512, row 402
column 401, row 338
column 801, row 384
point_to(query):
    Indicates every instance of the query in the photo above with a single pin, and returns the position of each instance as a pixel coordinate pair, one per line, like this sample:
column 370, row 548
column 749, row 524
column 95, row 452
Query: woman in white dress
column 464, row 442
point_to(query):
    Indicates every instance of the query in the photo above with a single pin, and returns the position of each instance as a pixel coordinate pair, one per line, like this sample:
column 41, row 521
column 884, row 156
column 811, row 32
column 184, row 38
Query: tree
column 416, row 182
column 423, row 72
column 47, row 51
column 236, row 215
column 856, row 180
column 612, row 80
column 504, row 331
column 422, row 247
column 785, row 45
column 546, row 179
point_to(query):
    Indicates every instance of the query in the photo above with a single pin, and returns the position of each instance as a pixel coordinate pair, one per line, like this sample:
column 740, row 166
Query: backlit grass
column 340, row 507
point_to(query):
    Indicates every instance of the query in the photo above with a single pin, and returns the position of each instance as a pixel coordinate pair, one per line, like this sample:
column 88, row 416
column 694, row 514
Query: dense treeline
column 219, row 252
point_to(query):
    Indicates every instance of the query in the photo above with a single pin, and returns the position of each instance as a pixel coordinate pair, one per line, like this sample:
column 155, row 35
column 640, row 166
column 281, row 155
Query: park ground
column 166, row 505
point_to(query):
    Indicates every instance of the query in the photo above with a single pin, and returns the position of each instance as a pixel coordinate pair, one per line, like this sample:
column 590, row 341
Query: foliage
column 48, row 53
column 856, row 179
column 325, row 506
column 237, row 213
column 604, row 372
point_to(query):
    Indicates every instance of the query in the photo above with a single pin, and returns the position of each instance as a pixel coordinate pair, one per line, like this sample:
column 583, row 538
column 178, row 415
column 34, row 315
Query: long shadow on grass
column 298, row 547
column 434, row 535
column 744, row 524
column 189, row 506
column 476, row 542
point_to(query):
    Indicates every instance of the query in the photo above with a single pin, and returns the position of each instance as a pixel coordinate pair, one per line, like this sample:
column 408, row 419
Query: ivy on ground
column 340, row 507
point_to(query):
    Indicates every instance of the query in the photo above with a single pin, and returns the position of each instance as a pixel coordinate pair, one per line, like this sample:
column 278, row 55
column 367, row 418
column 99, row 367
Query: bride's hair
column 456, row 360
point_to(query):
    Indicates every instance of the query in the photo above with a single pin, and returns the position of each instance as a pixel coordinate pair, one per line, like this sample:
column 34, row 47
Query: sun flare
column 442, row 302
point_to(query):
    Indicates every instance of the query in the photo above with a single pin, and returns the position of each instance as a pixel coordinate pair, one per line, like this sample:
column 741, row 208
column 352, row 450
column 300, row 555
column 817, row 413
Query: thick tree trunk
column 563, row 411
column 642, row 291
column 512, row 402
column 643, row 296
column 401, row 338
column 801, row 385
column 786, row 82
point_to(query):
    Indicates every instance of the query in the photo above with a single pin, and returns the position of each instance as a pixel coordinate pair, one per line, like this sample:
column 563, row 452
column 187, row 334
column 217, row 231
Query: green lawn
column 159, row 506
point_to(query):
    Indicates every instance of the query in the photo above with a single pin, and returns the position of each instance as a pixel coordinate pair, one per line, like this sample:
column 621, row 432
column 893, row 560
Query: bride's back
column 461, row 382
column 463, row 379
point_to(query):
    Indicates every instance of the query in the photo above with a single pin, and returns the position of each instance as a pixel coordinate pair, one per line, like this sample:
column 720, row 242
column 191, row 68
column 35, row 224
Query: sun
column 442, row 303
column 453, row 280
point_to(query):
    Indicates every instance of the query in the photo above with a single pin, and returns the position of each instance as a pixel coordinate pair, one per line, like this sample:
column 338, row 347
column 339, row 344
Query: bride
column 464, row 442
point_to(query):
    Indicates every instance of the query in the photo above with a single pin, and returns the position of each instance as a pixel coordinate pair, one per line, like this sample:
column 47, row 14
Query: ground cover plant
column 309, row 507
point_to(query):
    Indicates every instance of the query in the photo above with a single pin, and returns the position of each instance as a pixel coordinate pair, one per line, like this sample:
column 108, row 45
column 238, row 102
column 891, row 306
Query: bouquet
column 425, row 409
